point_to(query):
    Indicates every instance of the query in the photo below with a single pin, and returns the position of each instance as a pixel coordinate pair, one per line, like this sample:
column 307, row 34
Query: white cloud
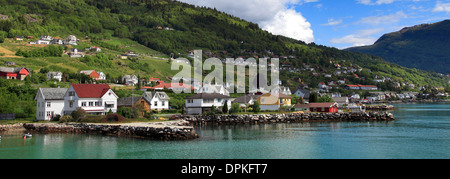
column 291, row 24
column 332, row 22
column 360, row 38
column 274, row 16
column 378, row 2
column 386, row 19
column 354, row 40
column 442, row 7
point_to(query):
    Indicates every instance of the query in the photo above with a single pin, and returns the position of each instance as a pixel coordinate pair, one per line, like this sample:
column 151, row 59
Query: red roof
column 321, row 105
column 90, row 90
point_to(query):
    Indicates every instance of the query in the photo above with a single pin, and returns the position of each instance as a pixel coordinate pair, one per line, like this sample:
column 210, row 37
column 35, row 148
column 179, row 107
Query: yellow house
column 273, row 101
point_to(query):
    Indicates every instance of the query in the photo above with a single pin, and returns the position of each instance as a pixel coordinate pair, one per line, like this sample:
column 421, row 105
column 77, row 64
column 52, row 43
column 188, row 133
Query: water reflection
column 414, row 134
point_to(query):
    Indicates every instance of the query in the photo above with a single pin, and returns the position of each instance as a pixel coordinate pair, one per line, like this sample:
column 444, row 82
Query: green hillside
column 423, row 47
column 157, row 28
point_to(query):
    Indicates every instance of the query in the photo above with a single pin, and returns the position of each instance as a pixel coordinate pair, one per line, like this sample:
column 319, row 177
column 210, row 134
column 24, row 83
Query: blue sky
column 335, row 23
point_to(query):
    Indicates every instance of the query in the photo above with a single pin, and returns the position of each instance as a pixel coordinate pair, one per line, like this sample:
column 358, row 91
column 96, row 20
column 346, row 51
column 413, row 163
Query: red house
column 323, row 107
column 92, row 73
column 18, row 73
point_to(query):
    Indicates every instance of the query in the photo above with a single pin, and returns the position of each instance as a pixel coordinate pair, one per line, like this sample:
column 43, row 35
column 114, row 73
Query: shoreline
column 156, row 131
column 198, row 120
column 183, row 127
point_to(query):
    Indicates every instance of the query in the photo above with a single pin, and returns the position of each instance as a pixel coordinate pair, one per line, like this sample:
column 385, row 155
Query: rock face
column 286, row 118
column 147, row 132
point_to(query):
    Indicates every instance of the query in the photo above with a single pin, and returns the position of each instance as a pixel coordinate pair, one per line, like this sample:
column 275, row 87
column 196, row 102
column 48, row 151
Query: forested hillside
column 423, row 47
column 173, row 27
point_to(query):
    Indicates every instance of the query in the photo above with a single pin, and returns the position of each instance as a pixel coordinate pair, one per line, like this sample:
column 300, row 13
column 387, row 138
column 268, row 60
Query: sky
column 333, row 23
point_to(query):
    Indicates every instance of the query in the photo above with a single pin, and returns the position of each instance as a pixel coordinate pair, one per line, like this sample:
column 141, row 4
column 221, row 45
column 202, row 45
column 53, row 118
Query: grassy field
column 155, row 63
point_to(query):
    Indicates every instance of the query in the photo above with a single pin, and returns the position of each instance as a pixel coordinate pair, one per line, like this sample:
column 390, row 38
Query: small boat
column 27, row 135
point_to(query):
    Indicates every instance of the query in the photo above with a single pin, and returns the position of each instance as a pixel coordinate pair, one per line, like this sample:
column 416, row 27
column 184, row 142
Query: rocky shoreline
column 287, row 118
column 182, row 128
column 146, row 131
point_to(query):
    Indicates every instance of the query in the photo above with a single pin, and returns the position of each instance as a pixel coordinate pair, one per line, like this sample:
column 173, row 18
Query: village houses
column 149, row 101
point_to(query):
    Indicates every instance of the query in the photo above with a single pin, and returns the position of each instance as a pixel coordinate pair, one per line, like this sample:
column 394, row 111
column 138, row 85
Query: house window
column 97, row 104
column 49, row 104
column 91, row 103
column 83, row 103
column 156, row 103
column 190, row 101
column 71, row 104
column 72, row 93
column 208, row 100
column 163, row 103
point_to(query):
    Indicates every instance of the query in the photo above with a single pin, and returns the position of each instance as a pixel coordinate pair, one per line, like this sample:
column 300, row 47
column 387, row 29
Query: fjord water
column 421, row 131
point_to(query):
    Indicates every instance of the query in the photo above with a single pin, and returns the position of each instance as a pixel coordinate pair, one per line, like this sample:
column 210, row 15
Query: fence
column 7, row 116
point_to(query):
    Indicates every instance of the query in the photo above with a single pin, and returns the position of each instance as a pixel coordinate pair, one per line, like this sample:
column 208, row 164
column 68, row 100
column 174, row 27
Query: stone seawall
column 287, row 118
column 9, row 127
column 149, row 131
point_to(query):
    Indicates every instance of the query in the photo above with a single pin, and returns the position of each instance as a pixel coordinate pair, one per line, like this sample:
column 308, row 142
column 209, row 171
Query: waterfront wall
column 147, row 132
column 9, row 127
column 287, row 118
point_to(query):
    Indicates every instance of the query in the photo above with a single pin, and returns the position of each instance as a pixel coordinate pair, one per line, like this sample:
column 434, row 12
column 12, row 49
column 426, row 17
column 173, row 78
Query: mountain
column 160, row 28
column 423, row 47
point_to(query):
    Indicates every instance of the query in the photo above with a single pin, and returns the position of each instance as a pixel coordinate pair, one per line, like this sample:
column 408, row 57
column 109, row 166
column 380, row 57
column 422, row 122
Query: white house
column 199, row 103
column 158, row 100
column 71, row 40
column 42, row 42
column 54, row 75
column 93, row 98
column 101, row 76
column 282, row 90
column 50, row 103
column 130, row 80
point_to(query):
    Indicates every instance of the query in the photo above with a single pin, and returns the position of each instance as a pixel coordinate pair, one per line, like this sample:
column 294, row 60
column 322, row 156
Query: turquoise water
column 420, row 131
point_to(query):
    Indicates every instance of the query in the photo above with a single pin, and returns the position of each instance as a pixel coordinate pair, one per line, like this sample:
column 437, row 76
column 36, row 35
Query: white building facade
column 50, row 103
column 93, row 98
column 197, row 104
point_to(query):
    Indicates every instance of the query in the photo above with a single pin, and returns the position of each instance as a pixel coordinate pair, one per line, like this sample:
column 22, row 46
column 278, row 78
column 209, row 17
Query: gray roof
column 128, row 101
column 208, row 96
column 245, row 99
column 11, row 69
column 53, row 93
column 306, row 93
column 150, row 95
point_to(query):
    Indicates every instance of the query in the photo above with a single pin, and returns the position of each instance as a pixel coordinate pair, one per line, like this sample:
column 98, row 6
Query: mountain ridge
column 423, row 46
